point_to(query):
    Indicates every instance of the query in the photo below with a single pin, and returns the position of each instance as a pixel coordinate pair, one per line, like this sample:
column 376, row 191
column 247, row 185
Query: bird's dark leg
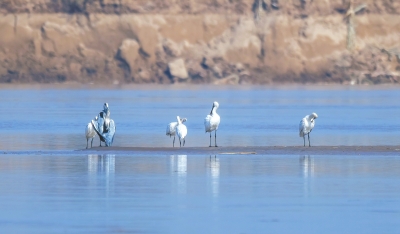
column 309, row 144
column 215, row 138
column 91, row 144
column 173, row 143
column 100, row 142
column 210, row 139
column 184, row 140
column 304, row 138
column 87, row 143
column 180, row 143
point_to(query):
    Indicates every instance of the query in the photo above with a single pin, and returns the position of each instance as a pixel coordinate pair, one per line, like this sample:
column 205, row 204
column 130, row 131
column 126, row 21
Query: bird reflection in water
column 101, row 170
column 178, row 167
column 101, row 163
column 307, row 171
column 214, row 173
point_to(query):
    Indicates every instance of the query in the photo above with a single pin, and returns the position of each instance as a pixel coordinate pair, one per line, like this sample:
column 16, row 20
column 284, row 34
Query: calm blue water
column 156, row 193
column 72, row 192
column 250, row 116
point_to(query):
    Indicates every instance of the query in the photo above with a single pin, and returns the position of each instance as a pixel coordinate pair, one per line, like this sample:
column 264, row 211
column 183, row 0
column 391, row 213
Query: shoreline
column 260, row 150
column 389, row 150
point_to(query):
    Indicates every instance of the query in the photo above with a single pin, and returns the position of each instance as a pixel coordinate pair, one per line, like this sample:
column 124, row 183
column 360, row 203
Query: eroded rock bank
column 221, row 42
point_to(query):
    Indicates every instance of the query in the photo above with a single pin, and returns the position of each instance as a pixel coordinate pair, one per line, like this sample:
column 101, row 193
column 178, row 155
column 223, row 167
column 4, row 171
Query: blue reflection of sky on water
column 163, row 193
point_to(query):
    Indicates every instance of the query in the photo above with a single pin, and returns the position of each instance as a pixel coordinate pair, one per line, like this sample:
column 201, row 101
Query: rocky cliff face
column 202, row 41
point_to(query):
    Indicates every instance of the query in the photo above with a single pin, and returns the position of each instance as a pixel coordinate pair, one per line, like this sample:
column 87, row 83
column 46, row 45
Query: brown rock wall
column 219, row 41
column 291, row 7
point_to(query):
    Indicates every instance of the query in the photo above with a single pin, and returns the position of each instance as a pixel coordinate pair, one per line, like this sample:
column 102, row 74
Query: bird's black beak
column 212, row 109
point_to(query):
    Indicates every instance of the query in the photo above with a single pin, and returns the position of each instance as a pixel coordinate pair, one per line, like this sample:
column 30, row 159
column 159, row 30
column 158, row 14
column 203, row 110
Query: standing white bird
column 90, row 133
column 181, row 131
column 105, row 126
column 306, row 126
column 211, row 122
column 171, row 129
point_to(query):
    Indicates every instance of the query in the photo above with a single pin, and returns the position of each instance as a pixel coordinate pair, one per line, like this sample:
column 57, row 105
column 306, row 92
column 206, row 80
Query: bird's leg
column 304, row 138
column 309, row 144
column 91, row 144
column 180, row 143
column 87, row 143
column 216, row 138
column 184, row 140
column 210, row 139
column 173, row 143
column 100, row 142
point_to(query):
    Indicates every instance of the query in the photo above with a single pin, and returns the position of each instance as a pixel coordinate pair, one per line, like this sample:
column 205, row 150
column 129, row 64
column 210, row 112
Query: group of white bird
column 211, row 123
column 104, row 127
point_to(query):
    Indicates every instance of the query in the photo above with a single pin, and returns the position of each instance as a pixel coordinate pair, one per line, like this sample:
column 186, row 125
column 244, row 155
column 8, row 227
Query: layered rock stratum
column 202, row 41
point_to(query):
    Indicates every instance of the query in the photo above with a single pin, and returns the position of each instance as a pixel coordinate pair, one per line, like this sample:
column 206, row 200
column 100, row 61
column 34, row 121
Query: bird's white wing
column 207, row 123
column 100, row 123
column 89, row 131
column 215, row 120
column 211, row 122
column 171, row 129
column 305, row 126
column 181, row 131
column 302, row 127
column 109, row 136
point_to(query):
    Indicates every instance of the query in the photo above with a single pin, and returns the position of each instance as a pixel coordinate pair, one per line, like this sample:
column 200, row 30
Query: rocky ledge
column 204, row 41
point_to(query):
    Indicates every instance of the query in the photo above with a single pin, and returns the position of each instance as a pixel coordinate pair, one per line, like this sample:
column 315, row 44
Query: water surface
column 156, row 193
column 46, row 187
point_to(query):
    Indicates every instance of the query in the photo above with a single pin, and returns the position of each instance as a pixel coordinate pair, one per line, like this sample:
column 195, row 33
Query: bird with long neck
column 181, row 131
column 90, row 133
column 211, row 122
column 306, row 126
column 171, row 129
column 105, row 126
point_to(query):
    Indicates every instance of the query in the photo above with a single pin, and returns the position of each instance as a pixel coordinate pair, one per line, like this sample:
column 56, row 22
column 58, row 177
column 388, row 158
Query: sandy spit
column 261, row 150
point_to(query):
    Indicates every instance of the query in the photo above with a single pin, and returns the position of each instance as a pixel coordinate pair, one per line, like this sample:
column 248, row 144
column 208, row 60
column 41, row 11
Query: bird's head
column 105, row 107
column 313, row 116
column 215, row 106
column 183, row 120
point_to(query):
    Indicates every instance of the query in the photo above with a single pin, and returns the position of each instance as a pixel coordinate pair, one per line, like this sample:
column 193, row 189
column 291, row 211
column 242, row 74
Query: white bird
column 171, row 129
column 181, row 131
column 306, row 126
column 211, row 122
column 90, row 133
column 105, row 126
